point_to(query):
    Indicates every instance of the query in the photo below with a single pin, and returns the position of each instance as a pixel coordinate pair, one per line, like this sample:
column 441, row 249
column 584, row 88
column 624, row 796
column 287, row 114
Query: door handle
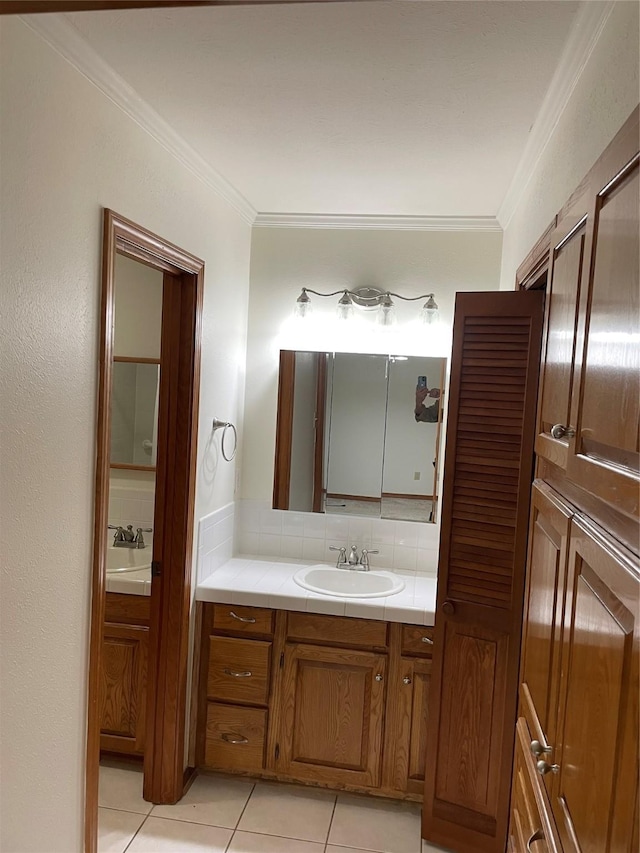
column 543, row 768
column 246, row 674
column 538, row 749
column 562, row 431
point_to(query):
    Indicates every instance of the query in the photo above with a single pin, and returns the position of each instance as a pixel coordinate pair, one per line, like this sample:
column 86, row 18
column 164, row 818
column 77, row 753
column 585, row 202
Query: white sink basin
column 128, row 559
column 347, row 583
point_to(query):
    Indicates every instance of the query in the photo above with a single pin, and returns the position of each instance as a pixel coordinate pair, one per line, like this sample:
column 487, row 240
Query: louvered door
column 487, row 481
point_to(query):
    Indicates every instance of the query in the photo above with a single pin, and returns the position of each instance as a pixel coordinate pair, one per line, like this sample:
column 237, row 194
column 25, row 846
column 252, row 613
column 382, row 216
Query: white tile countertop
column 269, row 583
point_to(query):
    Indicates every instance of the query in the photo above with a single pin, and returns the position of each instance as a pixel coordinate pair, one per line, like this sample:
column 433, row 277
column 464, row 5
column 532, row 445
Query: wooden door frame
column 284, row 429
column 175, row 481
column 318, row 441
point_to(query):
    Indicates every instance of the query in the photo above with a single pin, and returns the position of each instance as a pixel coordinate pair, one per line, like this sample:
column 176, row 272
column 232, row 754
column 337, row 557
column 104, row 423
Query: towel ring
column 224, row 426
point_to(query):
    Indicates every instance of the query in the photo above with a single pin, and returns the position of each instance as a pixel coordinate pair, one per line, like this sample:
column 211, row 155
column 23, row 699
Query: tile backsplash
column 265, row 532
column 215, row 540
column 131, row 504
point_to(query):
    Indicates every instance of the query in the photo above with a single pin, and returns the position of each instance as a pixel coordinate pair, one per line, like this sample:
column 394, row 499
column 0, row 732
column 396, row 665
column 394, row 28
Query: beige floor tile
column 175, row 836
column 116, row 829
column 289, row 811
column 121, row 788
column 213, row 800
column 331, row 848
column 382, row 826
column 251, row 842
column 433, row 848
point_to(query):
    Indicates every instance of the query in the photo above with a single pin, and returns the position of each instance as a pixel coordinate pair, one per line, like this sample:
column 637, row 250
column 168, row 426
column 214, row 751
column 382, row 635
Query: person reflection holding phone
column 426, row 414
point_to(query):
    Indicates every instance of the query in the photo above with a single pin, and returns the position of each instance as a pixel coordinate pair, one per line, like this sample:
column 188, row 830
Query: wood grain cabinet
column 123, row 693
column 326, row 700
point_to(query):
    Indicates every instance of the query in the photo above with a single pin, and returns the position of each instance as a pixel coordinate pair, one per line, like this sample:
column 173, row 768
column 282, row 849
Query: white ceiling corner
column 586, row 30
column 64, row 38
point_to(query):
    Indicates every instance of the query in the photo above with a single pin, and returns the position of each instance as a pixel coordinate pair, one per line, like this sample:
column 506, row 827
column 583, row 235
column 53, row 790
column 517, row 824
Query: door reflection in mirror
column 359, row 434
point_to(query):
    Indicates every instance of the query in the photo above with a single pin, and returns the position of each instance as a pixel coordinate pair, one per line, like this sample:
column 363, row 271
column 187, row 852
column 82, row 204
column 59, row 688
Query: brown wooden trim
column 407, row 497
column 130, row 359
column 318, row 450
column 125, row 466
column 353, row 497
column 33, row 7
column 170, row 595
column 530, row 275
column 284, row 430
column 436, row 467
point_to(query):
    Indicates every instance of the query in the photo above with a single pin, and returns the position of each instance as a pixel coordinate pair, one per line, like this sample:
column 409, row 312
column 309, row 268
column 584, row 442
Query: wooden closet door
column 544, row 606
column 604, row 457
column 485, row 509
column 595, row 763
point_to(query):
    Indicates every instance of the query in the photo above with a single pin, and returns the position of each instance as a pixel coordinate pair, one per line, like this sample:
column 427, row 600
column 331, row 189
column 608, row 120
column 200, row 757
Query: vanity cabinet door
column 407, row 725
column 332, row 709
column 123, row 690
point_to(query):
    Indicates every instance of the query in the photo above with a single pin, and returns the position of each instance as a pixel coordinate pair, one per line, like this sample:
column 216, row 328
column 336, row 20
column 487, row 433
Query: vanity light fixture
column 368, row 298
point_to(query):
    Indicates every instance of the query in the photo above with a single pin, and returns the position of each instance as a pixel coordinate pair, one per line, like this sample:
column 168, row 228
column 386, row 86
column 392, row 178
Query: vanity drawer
column 127, row 609
column 239, row 670
column 417, row 640
column 235, row 737
column 337, row 630
column 234, row 619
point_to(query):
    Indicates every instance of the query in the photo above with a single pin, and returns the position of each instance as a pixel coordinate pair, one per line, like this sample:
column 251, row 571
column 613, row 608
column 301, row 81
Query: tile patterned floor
column 227, row 815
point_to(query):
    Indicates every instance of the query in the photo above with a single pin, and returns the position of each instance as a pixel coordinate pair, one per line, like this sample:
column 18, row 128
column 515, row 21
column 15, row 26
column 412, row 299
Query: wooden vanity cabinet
column 125, row 647
column 326, row 700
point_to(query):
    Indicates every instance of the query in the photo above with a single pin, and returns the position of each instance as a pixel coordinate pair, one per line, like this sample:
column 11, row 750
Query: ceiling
column 388, row 108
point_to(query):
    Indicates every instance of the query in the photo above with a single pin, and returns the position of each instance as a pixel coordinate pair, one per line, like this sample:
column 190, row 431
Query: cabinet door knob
column 543, row 768
column 379, row 677
column 539, row 749
column 449, row 608
column 231, row 737
column 250, row 620
column 562, row 431
column 538, row 835
column 406, row 680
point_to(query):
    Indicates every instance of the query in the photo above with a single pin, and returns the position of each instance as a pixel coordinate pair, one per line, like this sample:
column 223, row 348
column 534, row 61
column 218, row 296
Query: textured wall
column 604, row 97
column 67, row 151
column 285, row 259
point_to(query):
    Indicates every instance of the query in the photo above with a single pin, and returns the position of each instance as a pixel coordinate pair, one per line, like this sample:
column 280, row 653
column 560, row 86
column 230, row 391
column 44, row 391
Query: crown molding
column 590, row 21
column 377, row 222
column 65, row 39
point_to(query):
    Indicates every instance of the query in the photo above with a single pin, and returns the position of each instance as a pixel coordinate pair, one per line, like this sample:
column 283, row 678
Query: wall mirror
column 359, row 434
column 134, row 413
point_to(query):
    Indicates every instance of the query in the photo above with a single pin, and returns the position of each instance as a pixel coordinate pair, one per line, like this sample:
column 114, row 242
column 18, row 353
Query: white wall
column 138, row 309
column 285, row 259
column 356, row 436
column 67, row 151
column 604, row 97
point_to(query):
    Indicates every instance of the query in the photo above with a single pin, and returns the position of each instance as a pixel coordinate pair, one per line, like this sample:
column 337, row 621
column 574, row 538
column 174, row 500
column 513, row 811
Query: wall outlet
column 416, row 475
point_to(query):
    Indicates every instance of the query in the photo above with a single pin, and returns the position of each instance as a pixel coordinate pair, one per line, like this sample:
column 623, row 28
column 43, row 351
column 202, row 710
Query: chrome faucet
column 353, row 562
column 127, row 538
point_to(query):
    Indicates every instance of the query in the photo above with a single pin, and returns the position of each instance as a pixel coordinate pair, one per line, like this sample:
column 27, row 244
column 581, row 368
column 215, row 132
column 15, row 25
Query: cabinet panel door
column 123, row 692
column 405, row 751
column 605, row 452
column 541, row 644
column 568, row 253
column 595, row 781
column 332, row 707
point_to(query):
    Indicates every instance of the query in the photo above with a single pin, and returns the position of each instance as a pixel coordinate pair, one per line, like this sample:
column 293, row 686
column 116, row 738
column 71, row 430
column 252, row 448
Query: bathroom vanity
column 330, row 700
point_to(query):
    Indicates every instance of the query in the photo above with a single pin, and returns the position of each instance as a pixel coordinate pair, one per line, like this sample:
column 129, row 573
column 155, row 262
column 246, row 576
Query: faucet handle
column 365, row 556
column 342, row 556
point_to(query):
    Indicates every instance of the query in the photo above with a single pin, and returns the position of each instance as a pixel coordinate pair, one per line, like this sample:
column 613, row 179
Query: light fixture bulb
column 345, row 306
column 429, row 313
column 303, row 305
column 386, row 315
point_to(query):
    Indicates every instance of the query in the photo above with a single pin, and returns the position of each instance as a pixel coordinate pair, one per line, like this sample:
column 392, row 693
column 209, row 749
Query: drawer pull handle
column 230, row 737
column 248, row 619
column 427, row 640
column 538, row 835
column 246, row 674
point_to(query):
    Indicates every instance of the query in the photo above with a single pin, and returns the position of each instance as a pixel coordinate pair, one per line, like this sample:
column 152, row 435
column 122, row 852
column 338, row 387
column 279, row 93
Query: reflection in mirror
column 134, row 413
column 359, row 434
